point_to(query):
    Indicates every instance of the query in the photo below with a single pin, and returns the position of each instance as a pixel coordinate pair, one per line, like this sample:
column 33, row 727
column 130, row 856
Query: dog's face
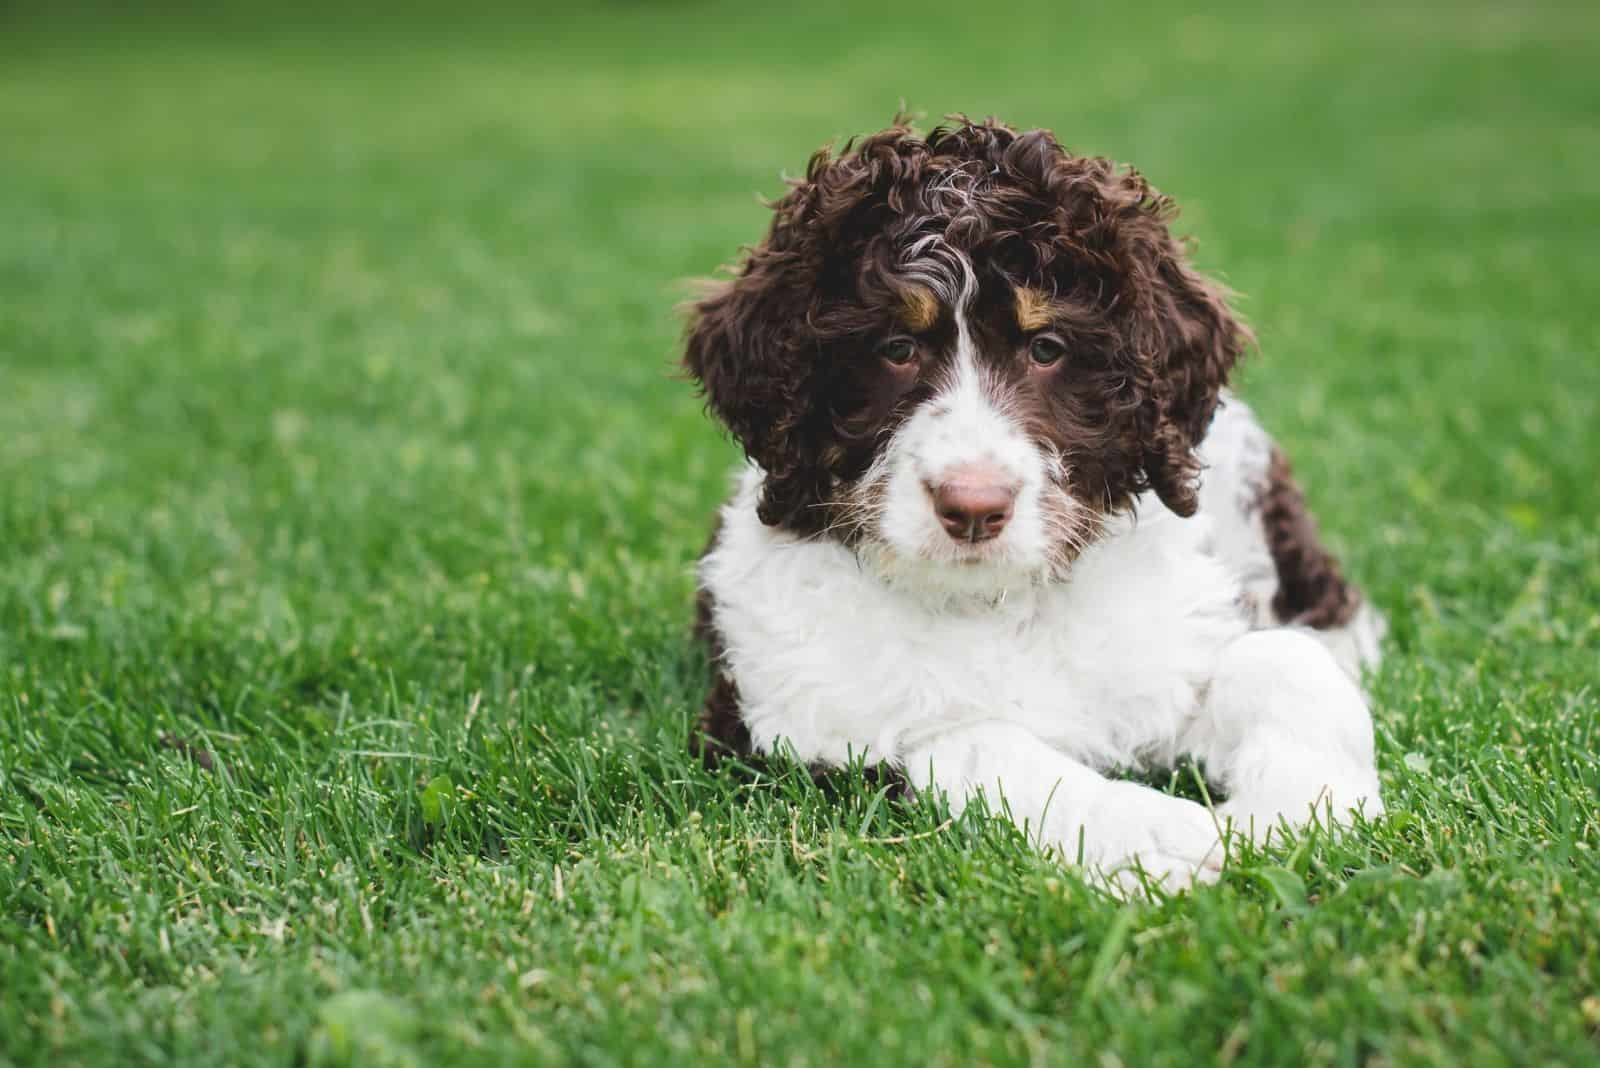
column 958, row 353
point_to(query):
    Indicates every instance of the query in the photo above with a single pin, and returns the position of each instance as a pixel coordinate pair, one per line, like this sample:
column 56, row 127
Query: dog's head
column 965, row 349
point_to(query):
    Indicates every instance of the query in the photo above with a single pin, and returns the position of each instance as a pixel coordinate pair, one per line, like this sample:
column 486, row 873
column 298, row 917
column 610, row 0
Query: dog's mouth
column 972, row 554
column 975, row 538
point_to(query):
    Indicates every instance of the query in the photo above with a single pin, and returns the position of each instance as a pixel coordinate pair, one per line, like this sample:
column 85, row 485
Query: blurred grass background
column 341, row 438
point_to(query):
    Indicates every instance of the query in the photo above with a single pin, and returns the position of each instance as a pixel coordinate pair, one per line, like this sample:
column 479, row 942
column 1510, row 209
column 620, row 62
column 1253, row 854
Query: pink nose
column 973, row 503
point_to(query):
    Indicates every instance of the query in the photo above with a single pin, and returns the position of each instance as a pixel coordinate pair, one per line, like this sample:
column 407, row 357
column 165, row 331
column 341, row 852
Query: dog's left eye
column 900, row 351
column 1046, row 350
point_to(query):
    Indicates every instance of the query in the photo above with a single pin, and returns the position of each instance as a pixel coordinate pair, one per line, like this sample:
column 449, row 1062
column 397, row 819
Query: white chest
column 833, row 662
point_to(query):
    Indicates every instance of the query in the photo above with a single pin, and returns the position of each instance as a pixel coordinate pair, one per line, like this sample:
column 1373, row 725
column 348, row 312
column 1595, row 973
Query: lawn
column 348, row 502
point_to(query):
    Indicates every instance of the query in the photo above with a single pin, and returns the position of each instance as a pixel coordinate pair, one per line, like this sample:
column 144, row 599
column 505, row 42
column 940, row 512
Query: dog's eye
column 1046, row 350
column 900, row 351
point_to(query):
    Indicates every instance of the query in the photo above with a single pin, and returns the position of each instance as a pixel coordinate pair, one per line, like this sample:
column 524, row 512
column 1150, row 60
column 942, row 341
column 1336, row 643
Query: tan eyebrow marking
column 1034, row 309
column 919, row 309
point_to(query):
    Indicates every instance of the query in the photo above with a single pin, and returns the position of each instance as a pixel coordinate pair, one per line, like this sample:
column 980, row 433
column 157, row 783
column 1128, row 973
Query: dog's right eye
column 900, row 351
column 1046, row 350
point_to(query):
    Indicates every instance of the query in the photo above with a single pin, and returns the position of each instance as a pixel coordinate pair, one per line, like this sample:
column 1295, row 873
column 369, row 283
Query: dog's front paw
column 1132, row 829
column 1260, row 815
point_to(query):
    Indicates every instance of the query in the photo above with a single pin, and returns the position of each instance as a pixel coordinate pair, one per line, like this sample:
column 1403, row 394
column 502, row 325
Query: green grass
column 340, row 438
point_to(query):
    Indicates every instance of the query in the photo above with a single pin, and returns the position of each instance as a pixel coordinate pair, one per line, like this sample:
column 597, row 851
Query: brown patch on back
column 1035, row 310
column 1312, row 591
column 919, row 309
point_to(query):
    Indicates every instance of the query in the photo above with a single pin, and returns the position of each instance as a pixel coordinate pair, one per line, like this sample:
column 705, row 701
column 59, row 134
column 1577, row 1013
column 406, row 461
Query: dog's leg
column 1285, row 734
column 1116, row 827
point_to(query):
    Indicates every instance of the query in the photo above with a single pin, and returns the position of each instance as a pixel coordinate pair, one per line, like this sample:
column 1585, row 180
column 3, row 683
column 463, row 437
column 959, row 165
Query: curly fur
column 978, row 307
column 896, row 216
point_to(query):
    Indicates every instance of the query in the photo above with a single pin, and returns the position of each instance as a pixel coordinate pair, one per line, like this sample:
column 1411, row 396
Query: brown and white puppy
column 995, row 532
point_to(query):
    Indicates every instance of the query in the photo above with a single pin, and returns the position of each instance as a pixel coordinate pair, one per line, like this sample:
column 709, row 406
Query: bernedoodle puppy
column 1002, row 530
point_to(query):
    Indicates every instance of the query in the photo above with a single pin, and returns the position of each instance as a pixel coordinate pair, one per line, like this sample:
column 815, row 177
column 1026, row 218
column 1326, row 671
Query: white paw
column 1260, row 816
column 1131, row 829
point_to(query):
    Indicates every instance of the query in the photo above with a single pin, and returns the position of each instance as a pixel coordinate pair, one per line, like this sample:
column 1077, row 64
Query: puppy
column 1002, row 531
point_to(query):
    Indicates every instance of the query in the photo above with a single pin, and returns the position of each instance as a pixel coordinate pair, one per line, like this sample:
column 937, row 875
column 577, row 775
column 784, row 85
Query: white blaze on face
column 963, row 427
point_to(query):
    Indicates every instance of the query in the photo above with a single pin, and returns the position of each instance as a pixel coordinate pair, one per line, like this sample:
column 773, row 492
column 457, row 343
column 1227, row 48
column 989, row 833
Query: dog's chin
column 944, row 569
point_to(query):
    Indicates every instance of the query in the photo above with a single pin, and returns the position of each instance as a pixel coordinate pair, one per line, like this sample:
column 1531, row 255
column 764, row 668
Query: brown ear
column 749, row 347
column 760, row 343
column 1193, row 340
column 1180, row 339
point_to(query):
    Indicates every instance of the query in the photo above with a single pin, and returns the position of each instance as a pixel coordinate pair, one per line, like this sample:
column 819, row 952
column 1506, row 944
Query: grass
column 340, row 440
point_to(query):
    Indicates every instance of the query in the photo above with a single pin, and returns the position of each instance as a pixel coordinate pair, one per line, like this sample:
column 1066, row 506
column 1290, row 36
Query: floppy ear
column 1180, row 339
column 746, row 350
column 756, row 359
column 759, row 343
column 1192, row 341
